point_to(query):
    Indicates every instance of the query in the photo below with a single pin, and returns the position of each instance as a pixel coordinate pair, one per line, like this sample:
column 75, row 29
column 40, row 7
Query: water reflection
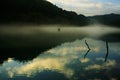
column 18, row 41
column 66, row 61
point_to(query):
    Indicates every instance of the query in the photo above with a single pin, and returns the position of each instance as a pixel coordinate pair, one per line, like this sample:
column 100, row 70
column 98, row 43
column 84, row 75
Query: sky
column 89, row 7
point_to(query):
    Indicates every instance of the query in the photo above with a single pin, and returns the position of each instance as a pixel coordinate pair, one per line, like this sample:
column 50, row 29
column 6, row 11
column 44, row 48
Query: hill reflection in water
column 66, row 61
column 17, row 41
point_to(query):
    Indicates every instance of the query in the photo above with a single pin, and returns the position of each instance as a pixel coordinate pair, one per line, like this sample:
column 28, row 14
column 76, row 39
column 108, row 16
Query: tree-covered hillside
column 37, row 11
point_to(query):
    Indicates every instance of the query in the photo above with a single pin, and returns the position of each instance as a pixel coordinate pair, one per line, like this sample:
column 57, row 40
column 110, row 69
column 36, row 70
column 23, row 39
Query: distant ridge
column 108, row 19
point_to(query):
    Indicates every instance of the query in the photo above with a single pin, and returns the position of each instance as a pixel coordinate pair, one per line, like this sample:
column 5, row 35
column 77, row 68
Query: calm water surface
column 57, row 52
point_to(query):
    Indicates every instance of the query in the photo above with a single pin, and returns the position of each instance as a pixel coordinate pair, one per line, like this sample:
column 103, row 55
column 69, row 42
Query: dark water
column 44, row 53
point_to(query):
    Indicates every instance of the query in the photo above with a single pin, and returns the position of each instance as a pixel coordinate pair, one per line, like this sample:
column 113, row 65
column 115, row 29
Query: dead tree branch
column 88, row 49
column 107, row 52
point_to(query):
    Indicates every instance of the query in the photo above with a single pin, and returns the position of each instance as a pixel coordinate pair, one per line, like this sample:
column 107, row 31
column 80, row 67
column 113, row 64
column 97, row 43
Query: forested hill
column 108, row 19
column 37, row 11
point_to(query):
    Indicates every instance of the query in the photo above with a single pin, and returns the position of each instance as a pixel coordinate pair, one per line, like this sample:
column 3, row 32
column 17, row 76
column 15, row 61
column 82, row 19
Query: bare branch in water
column 107, row 47
column 88, row 49
column 86, row 53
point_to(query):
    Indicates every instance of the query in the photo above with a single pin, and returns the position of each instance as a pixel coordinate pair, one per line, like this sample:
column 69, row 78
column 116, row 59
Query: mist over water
column 58, row 52
column 45, row 32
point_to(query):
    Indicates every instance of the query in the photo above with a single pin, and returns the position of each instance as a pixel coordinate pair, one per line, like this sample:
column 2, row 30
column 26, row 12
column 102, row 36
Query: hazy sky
column 89, row 7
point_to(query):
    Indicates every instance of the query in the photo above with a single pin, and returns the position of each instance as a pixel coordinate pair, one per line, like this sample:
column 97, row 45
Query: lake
column 59, row 52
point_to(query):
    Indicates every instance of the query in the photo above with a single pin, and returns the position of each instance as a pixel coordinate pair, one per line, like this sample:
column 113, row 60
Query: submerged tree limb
column 107, row 47
column 88, row 49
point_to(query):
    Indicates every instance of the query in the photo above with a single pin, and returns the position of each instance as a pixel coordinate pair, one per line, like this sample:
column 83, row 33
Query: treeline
column 38, row 11
column 108, row 19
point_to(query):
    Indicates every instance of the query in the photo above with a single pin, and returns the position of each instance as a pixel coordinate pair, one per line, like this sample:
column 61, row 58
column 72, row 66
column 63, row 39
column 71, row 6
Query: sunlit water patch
column 67, row 62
